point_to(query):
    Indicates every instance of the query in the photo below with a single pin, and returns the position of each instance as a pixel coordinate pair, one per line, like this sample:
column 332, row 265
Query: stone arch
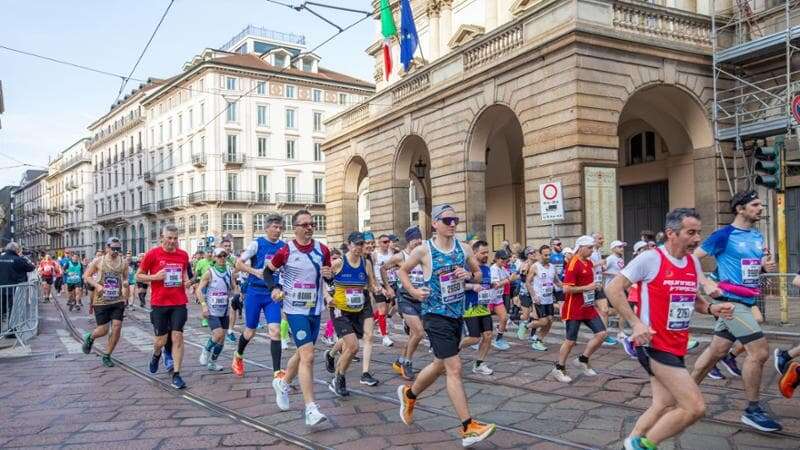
column 355, row 172
column 411, row 150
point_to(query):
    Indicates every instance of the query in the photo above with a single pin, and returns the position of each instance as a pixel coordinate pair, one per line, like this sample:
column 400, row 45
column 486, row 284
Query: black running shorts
column 444, row 334
column 476, row 326
column 348, row 323
column 106, row 313
column 645, row 354
column 596, row 325
column 168, row 318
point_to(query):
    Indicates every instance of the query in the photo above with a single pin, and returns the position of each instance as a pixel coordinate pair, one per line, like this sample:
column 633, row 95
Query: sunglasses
column 305, row 225
column 358, row 243
column 385, row 242
column 449, row 221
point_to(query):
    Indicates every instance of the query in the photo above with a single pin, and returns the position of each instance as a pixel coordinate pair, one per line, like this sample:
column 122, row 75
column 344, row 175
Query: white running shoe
column 483, row 369
column 329, row 341
column 387, row 342
column 621, row 336
column 561, row 375
column 585, row 367
column 284, row 344
column 204, row 354
column 313, row 416
column 282, row 395
column 213, row 366
column 474, row 347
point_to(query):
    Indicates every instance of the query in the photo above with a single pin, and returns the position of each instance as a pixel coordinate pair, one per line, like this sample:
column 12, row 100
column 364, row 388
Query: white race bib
column 452, row 288
column 304, row 295
column 111, row 288
column 485, row 296
column 681, row 307
column 588, row 298
column 751, row 271
column 417, row 278
column 174, row 276
column 354, row 297
column 547, row 293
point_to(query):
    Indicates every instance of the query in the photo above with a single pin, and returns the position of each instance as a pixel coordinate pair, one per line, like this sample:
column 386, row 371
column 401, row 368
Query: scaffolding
column 756, row 73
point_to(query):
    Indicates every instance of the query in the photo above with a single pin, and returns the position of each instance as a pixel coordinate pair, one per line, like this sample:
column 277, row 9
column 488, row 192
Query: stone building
column 30, row 212
column 69, row 199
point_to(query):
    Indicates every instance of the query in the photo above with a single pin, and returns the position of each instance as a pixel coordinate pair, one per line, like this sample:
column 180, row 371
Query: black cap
column 501, row 254
column 742, row 198
column 393, row 238
column 355, row 237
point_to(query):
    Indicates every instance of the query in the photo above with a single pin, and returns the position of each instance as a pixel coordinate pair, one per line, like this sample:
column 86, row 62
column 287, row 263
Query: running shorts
column 236, row 302
column 217, row 322
column 444, row 334
column 348, row 323
column 545, row 310
column 645, row 354
column 477, row 325
column 48, row 280
column 409, row 307
column 71, row 287
column 106, row 313
column 305, row 329
column 168, row 318
column 595, row 324
column 599, row 294
column 142, row 285
column 558, row 296
column 525, row 301
column 380, row 298
column 743, row 327
column 255, row 303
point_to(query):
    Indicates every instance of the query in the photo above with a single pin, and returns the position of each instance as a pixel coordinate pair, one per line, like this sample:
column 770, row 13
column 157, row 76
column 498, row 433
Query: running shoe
column 561, row 375
column 538, row 346
column 329, row 341
column 313, row 416
column 177, row 382
column 408, row 371
column 397, row 366
column 213, row 366
column 627, row 345
column 406, row 404
column 482, row 369
column 760, row 420
column 169, row 364
column 476, row 432
column 474, row 346
column 154, row 363
column 204, row 355
column 338, row 386
column 330, row 361
column 285, row 346
column 237, row 365
column 387, row 342
column 356, row 358
column 282, row 395
column 521, row 331
column 729, row 363
column 692, row 344
column 585, row 367
column 107, row 361
column 638, row 443
column 501, row 344
column 621, row 335
column 609, row 341
column 367, row 379
column 715, row 374
column 782, row 360
column 87, row 342
column 231, row 336
column 790, row 380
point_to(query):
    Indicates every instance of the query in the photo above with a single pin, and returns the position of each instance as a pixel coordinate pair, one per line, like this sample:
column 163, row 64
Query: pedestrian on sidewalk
column 14, row 269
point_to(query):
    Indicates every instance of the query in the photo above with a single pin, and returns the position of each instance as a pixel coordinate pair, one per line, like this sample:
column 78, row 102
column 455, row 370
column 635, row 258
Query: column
column 445, row 24
column 433, row 36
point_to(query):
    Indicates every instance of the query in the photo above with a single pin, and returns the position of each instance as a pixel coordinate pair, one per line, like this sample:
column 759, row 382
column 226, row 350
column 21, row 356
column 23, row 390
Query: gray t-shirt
column 614, row 264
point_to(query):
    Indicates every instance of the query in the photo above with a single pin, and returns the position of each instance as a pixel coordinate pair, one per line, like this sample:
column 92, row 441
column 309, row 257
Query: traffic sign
column 210, row 240
column 551, row 201
column 796, row 108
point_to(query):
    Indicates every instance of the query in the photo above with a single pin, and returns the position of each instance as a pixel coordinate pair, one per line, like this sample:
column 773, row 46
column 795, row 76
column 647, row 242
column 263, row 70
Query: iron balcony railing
column 299, row 199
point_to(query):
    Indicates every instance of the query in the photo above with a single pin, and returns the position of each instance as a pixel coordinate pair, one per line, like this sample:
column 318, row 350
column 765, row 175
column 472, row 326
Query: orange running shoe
column 406, row 404
column 476, row 432
column 237, row 365
column 790, row 380
column 397, row 367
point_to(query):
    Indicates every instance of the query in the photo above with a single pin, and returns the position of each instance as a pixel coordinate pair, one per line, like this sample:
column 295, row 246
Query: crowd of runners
column 449, row 295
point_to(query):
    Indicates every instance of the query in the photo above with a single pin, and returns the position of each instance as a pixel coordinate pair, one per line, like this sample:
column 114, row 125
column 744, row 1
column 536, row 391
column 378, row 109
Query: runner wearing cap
column 369, row 322
column 612, row 265
column 447, row 264
column 217, row 287
column 385, row 295
column 739, row 253
column 670, row 278
column 501, row 279
column 409, row 307
column 73, row 275
column 259, row 299
column 109, row 299
column 580, row 287
column 477, row 316
column 599, row 264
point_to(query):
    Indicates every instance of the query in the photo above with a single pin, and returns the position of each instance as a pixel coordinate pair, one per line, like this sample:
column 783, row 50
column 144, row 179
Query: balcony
column 113, row 218
column 148, row 209
column 171, row 204
column 198, row 197
column 54, row 229
column 149, row 177
column 291, row 198
column 71, row 185
column 72, row 226
column 233, row 159
column 201, row 197
column 263, row 197
column 79, row 204
column 52, row 211
column 199, row 160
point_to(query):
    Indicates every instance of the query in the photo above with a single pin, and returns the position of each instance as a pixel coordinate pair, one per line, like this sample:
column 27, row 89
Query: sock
column 216, row 351
column 142, row 296
column 210, row 345
column 466, row 423
column 242, row 344
column 478, row 363
column 560, row 366
column 382, row 324
column 753, row 405
column 499, row 336
column 731, row 355
column 176, row 374
column 230, row 330
column 168, row 346
column 411, row 395
column 284, row 330
column 275, row 351
column 329, row 329
column 583, row 359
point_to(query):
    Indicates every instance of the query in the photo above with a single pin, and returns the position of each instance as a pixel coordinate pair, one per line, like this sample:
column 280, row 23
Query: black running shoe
column 330, row 362
column 367, row 379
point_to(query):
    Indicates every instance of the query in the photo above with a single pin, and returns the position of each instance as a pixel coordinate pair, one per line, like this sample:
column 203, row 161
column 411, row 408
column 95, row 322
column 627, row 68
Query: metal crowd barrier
column 19, row 311
column 780, row 299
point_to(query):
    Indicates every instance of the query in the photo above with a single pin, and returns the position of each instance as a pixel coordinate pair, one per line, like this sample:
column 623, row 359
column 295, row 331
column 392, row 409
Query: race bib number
column 681, row 307
column 598, row 277
column 174, row 276
column 354, row 297
column 559, row 269
column 588, row 298
column 486, row 296
column 452, row 288
column 751, row 271
column 73, row 278
column 547, row 293
column 111, row 287
column 392, row 275
column 417, row 278
column 304, row 295
column 218, row 298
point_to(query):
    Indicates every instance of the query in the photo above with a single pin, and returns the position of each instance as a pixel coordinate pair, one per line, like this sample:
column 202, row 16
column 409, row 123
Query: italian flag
column 388, row 30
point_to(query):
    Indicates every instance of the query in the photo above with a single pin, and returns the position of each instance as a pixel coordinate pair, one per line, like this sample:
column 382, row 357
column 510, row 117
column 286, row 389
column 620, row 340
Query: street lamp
column 419, row 169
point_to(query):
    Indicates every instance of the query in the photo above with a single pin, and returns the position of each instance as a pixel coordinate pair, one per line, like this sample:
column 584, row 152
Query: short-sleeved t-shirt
column 283, row 254
column 645, row 267
column 738, row 253
column 614, row 264
column 578, row 273
column 169, row 292
column 202, row 266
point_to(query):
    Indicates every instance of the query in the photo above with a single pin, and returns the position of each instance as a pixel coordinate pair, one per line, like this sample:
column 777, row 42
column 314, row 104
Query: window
column 231, row 112
column 342, row 99
column 259, row 221
column 161, row 133
column 289, row 91
column 233, row 181
column 191, row 119
column 319, row 222
column 289, row 149
column 280, row 60
column 316, row 96
column 170, row 158
column 642, row 148
column 263, row 183
column 131, row 170
column 261, row 115
column 192, row 224
column 202, row 113
column 318, row 190
column 291, row 185
column 232, row 221
column 308, row 65
column 203, row 222
column 169, row 129
column 317, row 151
column 202, row 145
column 290, row 122
column 231, row 146
column 262, row 147
column 230, row 83
column 317, row 121
column 261, row 88
column 287, row 220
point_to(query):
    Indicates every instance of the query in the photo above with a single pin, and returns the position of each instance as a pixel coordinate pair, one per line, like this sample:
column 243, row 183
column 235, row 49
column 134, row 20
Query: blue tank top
column 486, row 283
column 446, row 291
column 738, row 253
column 266, row 250
column 351, row 276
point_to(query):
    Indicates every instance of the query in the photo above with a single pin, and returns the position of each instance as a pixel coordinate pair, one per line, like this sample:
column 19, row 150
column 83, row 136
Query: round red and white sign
column 550, row 191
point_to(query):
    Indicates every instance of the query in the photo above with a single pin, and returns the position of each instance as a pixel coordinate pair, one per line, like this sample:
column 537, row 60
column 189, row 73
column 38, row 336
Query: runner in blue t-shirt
column 738, row 249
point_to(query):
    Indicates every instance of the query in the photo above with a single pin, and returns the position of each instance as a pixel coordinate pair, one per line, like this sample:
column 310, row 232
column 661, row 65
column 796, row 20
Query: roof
column 254, row 62
column 143, row 87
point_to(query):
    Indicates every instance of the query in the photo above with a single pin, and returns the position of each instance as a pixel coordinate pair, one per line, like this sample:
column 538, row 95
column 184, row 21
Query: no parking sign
column 796, row 108
column 551, row 201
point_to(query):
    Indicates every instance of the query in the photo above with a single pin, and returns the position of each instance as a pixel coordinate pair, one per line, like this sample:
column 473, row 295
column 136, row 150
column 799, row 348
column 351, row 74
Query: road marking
column 138, row 338
column 71, row 345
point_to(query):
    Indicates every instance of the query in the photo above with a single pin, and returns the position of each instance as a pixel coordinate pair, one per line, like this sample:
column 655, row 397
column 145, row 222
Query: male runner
column 259, row 299
column 217, row 287
column 447, row 264
column 739, row 252
column 408, row 306
column 73, row 274
column 165, row 268
column 476, row 310
column 236, row 301
column 580, row 288
column 669, row 279
column 502, row 279
column 557, row 260
column 369, row 322
column 612, row 265
column 305, row 263
column 598, row 264
column 384, row 296
column 542, row 281
column 109, row 298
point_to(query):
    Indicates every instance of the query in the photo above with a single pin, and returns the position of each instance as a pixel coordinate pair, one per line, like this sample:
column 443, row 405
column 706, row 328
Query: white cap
column 219, row 251
column 584, row 241
column 618, row 244
column 639, row 245
column 567, row 250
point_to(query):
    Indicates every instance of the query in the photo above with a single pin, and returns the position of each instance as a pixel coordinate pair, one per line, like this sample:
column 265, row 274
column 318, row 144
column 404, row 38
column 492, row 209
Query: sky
column 48, row 106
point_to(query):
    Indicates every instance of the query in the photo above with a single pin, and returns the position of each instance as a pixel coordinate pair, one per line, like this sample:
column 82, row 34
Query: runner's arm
column 241, row 261
column 203, row 283
column 615, row 291
column 371, row 281
column 472, row 264
column 529, row 281
column 416, row 257
column 90, row 271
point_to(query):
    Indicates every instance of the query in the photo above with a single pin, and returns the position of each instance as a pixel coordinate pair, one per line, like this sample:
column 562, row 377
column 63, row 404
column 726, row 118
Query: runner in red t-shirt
column 166, row 269
column 669, row 278
column 580, row 286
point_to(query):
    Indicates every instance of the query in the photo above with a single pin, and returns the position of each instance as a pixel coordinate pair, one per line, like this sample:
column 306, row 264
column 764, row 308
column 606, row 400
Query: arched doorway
column 411, row 193
column 495, row 177
column 355, row 174
column 661, row 130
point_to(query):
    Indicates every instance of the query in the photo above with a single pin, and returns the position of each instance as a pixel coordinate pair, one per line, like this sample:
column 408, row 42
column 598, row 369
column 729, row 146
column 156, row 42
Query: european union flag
column 409, row 39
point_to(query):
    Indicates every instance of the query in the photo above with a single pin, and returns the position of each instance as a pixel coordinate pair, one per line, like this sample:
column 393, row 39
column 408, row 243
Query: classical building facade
column 609, row 98
column 30, row 212
column 69, row 200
